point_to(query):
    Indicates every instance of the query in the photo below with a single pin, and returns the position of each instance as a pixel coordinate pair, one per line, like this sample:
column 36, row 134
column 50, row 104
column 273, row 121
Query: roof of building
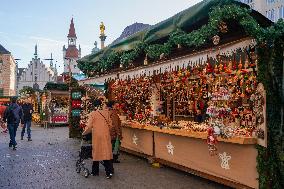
column 72, row 32
column 72, row 52
column 3, row 50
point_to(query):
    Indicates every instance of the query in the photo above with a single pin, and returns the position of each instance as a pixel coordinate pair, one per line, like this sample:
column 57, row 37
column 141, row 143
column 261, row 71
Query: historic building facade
column 71, row 54
column 272, row 9
column 7, row 73
column 37, row 74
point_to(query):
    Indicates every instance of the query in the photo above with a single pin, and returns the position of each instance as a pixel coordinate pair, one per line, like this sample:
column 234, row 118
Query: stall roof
column 188, row 20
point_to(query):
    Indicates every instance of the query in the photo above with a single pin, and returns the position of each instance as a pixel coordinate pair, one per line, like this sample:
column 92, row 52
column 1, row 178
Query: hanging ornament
column 216, row 40
column 223, row 27
column 211, row 141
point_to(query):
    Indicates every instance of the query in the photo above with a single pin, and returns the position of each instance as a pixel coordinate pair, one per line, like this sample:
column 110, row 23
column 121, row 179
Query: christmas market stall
column 84, row 99
column 202, row 92
column 56, row 103
column 34, row 97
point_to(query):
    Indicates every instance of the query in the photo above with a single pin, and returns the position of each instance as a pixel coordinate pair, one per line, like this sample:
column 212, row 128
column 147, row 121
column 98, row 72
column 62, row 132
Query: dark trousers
column 107, row 164
column 12, row 132
column 27, row 125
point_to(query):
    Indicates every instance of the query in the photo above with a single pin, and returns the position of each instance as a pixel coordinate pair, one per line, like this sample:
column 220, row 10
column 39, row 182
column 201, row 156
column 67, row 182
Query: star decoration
column 225, row 160
column 170, row 148
column 134, row 139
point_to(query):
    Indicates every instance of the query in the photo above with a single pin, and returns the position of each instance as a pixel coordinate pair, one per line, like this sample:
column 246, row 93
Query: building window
column 75, row 66
column 281, row 12
column 270, row 1
column 1, row 92
column 272, row 15
column 35, row 65
column 35, row 78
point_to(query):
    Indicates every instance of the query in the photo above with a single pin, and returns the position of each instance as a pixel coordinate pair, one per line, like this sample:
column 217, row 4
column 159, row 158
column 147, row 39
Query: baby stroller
column 84, row 153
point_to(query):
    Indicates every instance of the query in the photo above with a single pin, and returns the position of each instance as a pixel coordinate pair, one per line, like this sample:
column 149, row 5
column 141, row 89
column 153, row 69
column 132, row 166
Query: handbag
column 116, row 146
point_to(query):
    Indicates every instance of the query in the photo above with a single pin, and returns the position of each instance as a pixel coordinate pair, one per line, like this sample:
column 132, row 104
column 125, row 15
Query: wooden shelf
column 191, row 134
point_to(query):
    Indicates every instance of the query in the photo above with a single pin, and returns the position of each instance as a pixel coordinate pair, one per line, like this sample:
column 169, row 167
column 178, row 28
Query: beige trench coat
column 101, row 140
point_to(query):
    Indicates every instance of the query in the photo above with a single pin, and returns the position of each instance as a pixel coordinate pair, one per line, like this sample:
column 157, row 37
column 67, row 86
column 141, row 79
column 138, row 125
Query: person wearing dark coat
column 28, row 111
column 13, row 115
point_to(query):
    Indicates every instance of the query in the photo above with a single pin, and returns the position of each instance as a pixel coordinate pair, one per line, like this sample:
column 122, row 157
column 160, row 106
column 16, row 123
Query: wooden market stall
column 56, row 103
column 200, row 91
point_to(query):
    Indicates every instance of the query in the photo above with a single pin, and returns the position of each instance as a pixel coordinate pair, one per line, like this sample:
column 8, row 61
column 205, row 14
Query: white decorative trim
column 193, row 59
column 170, row 148
column 134, row 139
column 225, row 160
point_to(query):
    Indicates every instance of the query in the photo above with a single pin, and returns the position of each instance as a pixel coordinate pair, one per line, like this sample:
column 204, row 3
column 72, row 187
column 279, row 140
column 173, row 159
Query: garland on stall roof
column 195, row 39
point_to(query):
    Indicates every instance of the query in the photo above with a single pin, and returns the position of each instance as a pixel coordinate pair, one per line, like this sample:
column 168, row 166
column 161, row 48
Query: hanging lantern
column 162, row 56
column 216, row 40
column 146, row 60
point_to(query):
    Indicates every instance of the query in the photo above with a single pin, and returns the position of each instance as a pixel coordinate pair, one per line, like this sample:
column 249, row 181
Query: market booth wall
column 201, row 91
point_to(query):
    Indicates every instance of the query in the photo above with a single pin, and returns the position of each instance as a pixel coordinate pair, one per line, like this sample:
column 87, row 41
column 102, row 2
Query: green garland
column 56, row 86
column 193, row 39
column 270, row 56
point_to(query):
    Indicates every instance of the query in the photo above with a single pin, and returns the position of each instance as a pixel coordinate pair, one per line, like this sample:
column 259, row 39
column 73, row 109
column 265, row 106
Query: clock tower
column 71, row 54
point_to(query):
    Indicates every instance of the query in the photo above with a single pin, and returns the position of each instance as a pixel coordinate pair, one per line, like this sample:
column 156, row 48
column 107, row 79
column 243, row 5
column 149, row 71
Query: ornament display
column 218, row 98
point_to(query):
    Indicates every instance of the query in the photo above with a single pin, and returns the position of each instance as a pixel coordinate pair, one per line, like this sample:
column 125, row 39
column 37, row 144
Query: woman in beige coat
column 98, row 124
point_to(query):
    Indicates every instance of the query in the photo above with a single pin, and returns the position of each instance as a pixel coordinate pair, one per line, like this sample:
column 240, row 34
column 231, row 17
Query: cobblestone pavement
column 49, row 162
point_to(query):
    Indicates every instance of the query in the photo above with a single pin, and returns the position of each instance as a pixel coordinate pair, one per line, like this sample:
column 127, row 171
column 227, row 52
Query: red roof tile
column 72, row 52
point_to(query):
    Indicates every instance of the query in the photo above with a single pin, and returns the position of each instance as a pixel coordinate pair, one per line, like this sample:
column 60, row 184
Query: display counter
column 234, row 164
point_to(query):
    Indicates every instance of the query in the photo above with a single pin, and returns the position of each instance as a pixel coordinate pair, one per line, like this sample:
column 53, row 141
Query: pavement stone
column 49, row 162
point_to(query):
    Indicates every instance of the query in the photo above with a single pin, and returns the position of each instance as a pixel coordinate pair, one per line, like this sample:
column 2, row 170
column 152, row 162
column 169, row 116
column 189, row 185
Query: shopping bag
column 116, row 146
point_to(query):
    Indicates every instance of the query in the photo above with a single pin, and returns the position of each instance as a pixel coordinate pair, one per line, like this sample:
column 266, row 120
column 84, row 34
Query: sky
column 25, row 23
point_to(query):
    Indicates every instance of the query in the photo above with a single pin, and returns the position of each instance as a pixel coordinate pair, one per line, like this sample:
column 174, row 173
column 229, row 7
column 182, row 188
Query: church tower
column 71, row 54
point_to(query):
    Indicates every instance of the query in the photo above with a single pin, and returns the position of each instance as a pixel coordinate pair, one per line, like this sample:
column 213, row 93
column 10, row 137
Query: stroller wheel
column 86, row 173
column 78, row 163
column 78, row 169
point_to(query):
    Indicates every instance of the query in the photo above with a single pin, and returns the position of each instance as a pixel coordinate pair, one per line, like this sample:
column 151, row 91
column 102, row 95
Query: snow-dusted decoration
column 170, row 148
column 134, row 139
column 225, row 160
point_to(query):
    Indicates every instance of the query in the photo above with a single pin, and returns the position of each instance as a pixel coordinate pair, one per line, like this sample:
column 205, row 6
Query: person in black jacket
column 13, row 115
column 28, row 111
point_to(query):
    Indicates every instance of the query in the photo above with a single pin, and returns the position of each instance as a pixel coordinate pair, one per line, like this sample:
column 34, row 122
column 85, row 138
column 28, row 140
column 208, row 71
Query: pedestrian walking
column 13, row 115
column 2, row 123
column 27, row 118
column 115, row 131
column 98, row 124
